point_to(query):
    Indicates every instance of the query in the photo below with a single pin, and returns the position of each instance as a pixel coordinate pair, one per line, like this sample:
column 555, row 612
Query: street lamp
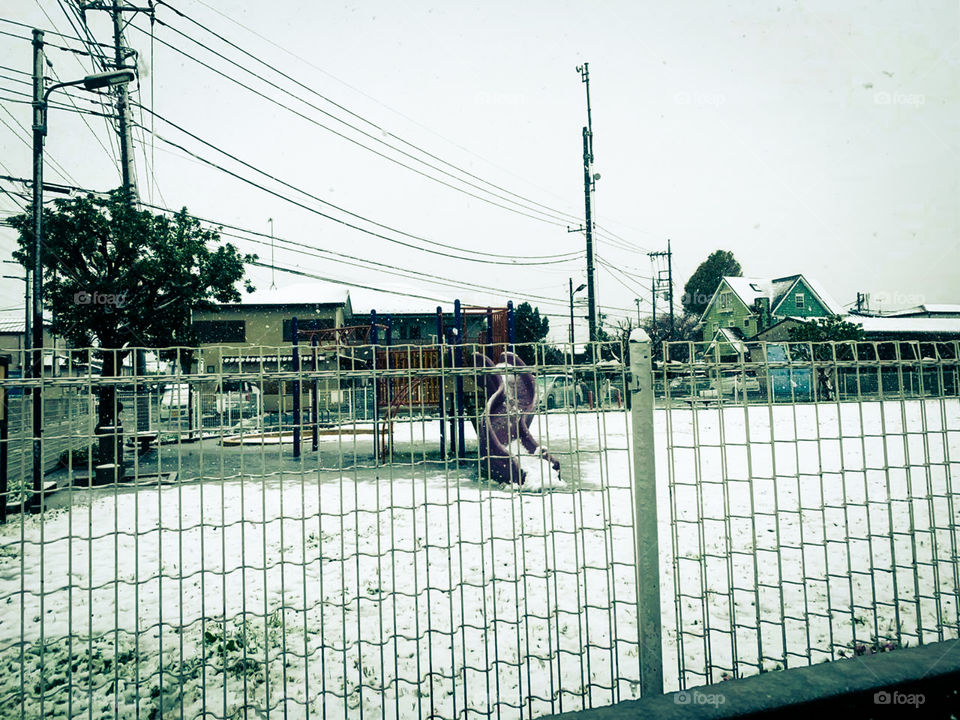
column 40, row 98
column 572, row 293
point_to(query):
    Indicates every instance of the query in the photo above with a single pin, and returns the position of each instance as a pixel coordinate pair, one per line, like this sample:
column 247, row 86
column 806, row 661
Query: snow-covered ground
column 416, row 588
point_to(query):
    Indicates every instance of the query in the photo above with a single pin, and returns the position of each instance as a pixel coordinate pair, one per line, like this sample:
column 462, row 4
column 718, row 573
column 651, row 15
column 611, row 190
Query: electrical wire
column 563, row 216
column 537, row 260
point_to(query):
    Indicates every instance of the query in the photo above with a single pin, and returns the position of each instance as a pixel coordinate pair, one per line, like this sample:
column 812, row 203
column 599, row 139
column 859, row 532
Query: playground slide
column 508, row 452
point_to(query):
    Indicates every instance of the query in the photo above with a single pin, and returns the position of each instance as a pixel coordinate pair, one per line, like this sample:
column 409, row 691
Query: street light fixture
column 35, row 348
column 572, row 293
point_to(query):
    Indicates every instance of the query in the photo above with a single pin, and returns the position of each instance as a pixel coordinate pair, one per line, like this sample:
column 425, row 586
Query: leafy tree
column 116, row 276
column 824, row 329
column 684, row 329
column 705, row 280
column 529, row 327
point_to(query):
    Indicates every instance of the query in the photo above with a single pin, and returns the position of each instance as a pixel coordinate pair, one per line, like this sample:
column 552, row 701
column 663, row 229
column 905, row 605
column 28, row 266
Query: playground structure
column 412, row 379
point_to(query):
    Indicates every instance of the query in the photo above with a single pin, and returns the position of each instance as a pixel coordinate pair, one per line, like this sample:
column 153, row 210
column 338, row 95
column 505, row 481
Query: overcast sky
column 819, row 138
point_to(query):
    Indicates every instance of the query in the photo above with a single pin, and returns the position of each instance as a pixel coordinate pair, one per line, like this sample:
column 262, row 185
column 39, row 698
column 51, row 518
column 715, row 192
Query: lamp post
column 572, row 293
column 40, row 98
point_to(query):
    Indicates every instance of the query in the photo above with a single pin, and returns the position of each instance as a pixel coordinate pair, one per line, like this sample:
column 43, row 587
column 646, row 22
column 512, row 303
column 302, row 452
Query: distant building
column 750, row 305
column 255, row 334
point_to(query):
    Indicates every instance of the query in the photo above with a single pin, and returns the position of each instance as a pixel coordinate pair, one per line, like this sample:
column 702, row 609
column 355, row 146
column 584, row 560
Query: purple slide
column 508, row 452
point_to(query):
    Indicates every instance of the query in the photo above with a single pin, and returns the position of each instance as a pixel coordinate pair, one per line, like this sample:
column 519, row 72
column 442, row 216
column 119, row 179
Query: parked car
column 735, row 383
column 556, row 391
column 175, row 402
column 238, row 399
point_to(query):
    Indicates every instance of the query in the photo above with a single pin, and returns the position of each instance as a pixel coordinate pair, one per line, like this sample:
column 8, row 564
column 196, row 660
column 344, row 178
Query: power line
column 349, row 139
column 539, row 260
column 564, row 216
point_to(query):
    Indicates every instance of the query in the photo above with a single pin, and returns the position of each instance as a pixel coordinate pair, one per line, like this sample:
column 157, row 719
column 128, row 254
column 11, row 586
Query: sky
column 816, row 137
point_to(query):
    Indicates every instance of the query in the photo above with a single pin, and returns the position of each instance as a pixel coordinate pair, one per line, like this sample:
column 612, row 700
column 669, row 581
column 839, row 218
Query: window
column 724, row 300
column 221, row 331
column 732, row 323
column 305, row 324
column 798, row 301
column 746, row 322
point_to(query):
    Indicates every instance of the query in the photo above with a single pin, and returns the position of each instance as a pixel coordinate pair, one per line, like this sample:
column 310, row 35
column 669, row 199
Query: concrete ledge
column 922, row 682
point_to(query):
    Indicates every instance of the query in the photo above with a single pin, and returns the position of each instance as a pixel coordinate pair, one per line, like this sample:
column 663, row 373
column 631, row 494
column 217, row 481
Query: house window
column 305, row 324
column 746, row 322
column 724, row 301
column 221, row 331
column 732, row 323
column 798, row 301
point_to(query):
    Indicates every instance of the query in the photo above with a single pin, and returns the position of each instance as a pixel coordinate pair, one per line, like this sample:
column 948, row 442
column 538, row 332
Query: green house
column 748, row 306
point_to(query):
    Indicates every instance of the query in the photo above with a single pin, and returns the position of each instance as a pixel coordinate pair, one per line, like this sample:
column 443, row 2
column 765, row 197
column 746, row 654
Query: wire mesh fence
column 306, row 532
column 279, row 533
column 812, row 505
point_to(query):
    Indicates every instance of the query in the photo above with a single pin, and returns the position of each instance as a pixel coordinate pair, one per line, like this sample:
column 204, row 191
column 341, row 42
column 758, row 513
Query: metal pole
column 670, row 280
column 273, row 271
column 459, row 322
column 314, row 399
column 441, row 384
column 297, row 415
column 571, row 316
column 647, row 546
column 376, row 404
column 35, row 357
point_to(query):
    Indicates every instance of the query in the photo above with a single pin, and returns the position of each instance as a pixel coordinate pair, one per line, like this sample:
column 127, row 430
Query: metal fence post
column 645, row 513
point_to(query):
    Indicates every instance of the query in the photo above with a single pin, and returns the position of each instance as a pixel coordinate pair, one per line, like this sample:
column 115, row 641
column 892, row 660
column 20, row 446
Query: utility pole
column 273, row 265
column 588, row 186
column 673, row 327
column 121, row 53
column 33, row 360
column 637, row 301
column 658, row 282
column 571, row 316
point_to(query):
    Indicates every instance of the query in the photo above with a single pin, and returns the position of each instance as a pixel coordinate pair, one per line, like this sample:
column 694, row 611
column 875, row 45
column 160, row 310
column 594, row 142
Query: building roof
column 312, row 293
column 749, row 289
column 11, row 326
column 907, row 325
column 926, row 308
column 730, row 336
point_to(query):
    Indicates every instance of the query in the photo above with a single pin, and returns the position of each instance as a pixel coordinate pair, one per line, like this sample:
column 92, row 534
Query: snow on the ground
column 416, row 588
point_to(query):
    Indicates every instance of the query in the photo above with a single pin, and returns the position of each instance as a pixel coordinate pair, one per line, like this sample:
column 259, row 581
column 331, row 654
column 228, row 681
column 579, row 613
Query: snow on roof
column 749, row 289
column 942, row 308
column 828, row 300
column 11, row 325
column 729, row 336
column 385, row 302
column 313, row 293
column 906, row 325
